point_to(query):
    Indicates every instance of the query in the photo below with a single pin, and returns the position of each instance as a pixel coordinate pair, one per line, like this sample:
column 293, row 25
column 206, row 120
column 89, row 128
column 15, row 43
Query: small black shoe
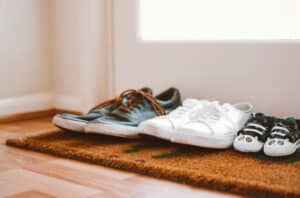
column 124, row 120
column 284, row 138
column 77, row 123
column 252, row 136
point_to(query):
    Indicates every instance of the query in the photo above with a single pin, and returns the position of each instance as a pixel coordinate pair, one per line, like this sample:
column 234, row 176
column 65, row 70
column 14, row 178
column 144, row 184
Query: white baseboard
column 27, row 103
column 71, row 103
column 38, row 102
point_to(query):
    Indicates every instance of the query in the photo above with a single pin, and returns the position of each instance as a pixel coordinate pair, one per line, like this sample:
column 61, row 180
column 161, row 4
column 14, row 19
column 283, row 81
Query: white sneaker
column 163, row 126
column 214, row 126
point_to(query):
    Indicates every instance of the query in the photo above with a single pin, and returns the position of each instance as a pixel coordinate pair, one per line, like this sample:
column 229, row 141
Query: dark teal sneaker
column 77, row 123
column 124, row 120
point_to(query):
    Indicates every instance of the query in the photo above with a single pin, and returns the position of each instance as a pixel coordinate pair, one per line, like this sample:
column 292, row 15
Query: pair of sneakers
column 276, row 137
column 203, row 123
column 121, row 115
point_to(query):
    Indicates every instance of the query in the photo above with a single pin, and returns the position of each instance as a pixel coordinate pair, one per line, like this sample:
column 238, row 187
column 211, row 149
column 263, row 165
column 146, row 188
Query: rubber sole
column 281, row 151
column 200, row 141
column 156, row 135
column 247, row 147
column 70, row 125
column 113, row 130
column 153, row 131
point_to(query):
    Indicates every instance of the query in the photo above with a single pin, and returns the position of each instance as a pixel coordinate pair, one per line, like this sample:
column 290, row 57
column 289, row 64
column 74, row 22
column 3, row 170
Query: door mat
column 227, row 170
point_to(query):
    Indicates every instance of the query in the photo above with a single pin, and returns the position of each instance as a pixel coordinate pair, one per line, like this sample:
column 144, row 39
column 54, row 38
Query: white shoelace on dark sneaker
column 259, row 129
column 278, row 130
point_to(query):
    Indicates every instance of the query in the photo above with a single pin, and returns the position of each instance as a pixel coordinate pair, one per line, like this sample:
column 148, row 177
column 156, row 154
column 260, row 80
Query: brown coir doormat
column 228, row 170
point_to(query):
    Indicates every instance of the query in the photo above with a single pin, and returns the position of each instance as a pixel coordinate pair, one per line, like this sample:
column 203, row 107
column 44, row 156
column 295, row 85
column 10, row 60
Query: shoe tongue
column 190, row 102
column 229, row 107
column 290, row 121
column 262, row 119
column 257, row 115
column 129, row 115
column 233, row 112
column 239, row 108
column 146, row 90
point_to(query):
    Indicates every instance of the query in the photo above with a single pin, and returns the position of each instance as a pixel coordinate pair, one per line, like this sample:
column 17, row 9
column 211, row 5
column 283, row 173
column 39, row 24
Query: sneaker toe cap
column 247, row 143
column 279, row 147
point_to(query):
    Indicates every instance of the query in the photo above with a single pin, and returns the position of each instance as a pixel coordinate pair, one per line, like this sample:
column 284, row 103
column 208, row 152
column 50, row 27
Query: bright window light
column 184, row 20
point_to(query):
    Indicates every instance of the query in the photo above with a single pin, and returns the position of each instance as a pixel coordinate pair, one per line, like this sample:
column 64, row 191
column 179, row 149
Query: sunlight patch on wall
column 197, row 20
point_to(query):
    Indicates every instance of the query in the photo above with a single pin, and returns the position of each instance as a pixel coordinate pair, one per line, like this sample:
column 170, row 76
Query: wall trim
column 27, row 116
column 37, row 104
column 27, row 103
column 34, row 115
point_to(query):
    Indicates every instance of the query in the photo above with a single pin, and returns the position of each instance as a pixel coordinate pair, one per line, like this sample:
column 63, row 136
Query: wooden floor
column 29, row 174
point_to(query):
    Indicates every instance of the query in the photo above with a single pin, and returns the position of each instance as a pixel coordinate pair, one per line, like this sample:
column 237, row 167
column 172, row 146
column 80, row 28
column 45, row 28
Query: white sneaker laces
column 210, row 115
column 178, row 113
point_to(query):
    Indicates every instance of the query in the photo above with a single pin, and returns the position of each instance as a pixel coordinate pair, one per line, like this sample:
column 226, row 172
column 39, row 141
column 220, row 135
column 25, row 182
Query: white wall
column 79, row 53
column 266, row 74
column 65, row 49
column 95, row 44
column 25, row 74
column 24, row 48
column 53, row 54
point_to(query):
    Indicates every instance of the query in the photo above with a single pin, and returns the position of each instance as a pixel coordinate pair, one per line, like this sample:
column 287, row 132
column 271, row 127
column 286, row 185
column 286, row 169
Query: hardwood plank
column 45, row 184
column 31, row 194
column 151, row 187
column 116, row 194
column 22, row 128
column 113, row 183
column 8, row 188
column 93, row 168
column 105, row 179
column 11, row 158
column 27, row 115
column 27, row 126
column 28, row 153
